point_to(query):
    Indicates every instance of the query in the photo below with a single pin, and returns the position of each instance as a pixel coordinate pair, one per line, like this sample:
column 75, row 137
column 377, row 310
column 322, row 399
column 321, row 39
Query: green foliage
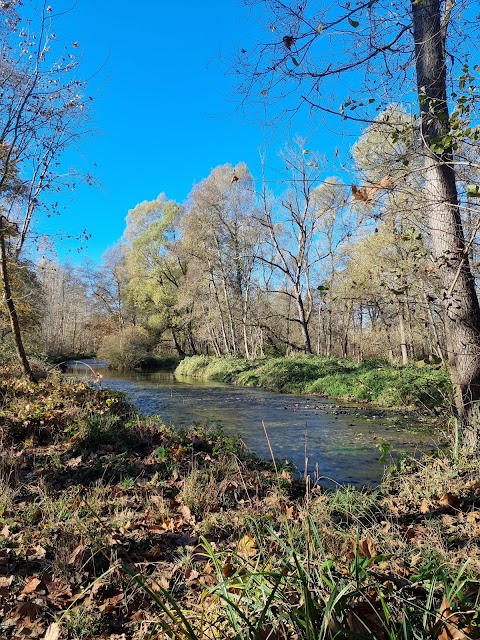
column 371, row 381
column 389, row 386
column 126, row 349
column 224, row 369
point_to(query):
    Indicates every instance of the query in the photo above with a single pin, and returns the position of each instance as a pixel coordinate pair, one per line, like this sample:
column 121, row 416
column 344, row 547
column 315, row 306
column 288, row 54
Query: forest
column 353, row 281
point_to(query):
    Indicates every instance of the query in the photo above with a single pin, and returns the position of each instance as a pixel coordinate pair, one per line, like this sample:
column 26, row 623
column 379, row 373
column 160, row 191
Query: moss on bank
column 368, row 381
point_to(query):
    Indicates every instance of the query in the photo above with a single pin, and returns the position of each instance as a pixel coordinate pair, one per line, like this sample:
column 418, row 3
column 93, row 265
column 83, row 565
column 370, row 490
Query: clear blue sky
column 163, row 113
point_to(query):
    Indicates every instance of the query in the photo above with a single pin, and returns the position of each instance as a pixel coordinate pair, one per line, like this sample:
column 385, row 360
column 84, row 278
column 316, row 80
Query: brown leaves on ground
column 448, row 624
column 70, row 518
column 53, row 632
column 79, row 509
column 367, row 548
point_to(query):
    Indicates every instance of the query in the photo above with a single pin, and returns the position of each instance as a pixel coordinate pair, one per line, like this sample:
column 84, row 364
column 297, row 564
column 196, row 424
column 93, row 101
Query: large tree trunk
column 462, row 312
column 12, row 311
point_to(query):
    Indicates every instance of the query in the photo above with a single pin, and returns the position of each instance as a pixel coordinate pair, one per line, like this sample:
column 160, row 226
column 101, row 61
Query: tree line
column 313, row 266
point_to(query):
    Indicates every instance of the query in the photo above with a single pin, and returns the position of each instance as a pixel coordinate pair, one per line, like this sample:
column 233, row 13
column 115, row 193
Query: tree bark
column 403, row 337
column 12, row 311
column 178, row 347
column 461, row 307
column 302, row 318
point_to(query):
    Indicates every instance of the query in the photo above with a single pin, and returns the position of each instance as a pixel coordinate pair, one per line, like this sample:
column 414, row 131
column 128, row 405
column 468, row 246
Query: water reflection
column 341, row 444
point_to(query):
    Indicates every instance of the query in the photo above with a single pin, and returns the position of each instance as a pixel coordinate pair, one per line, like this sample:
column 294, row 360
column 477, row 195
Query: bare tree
column 296, row 226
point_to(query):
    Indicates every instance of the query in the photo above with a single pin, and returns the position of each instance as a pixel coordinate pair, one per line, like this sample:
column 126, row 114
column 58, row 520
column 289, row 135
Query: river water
column 337, row 444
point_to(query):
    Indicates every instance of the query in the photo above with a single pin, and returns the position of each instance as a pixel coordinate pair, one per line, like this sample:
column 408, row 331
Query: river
column 338, row 444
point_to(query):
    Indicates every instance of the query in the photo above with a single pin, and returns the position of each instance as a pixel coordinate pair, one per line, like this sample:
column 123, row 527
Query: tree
column 378, row 42
column 297, row 226
column 221, row 236
column 154, row 269
column 41, row 113
column 67, row 310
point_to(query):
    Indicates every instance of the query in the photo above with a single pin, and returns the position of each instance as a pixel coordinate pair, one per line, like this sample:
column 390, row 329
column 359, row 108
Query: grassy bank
column 114, row 526
column 367, row 381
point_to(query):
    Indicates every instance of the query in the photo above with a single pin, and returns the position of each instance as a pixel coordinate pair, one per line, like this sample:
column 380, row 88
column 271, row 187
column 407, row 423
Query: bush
column 224, row 369
column 125, row 349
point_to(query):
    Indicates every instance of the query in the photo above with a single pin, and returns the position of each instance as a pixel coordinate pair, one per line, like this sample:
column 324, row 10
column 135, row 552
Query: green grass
column 369, row 381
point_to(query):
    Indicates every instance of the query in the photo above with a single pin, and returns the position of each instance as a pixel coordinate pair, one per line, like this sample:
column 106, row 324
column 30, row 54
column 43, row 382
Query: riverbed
column 334, row 443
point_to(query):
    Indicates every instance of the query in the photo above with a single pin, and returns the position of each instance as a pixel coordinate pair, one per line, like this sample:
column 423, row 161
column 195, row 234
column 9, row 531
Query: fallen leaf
column 247, row 547
column 186, row 513
column 138, row 615
column 448, row 500
column 74, row 462
column 228, row 569
column 76, row 553
column 473, row 516
column 53, row 632
column 424, row 506
column 24, row 610
column 415, row 559
column 448, row 623
column 5, row 581
column 191, row 574
column 401, row 568
column 160, row 584
column 367, row 548
column 31, row 585
column 36, row 553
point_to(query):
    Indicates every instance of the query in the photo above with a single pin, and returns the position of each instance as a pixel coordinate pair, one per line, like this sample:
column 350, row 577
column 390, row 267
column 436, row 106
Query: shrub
column 125, row 349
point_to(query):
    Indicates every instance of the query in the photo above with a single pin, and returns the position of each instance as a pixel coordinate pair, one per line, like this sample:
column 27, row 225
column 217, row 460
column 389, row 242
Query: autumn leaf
column 367, row 548
column 5, row 581
column 448, row 500
column 187, row 514
column 31, row 585
column 424, row 506
column 228, row 569
column 448, row 623
column 76, row 553
column 53, row 632
column 247, row 547
column 367, row 194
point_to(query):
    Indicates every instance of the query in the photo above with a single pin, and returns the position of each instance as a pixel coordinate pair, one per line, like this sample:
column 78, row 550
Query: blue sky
column 163, row 113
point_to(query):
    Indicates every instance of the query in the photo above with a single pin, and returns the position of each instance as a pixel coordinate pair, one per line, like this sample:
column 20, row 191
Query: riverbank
column 421, row 386
column 114, row 526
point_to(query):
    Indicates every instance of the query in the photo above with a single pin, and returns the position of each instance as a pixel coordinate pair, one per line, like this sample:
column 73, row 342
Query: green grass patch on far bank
column 374, row 381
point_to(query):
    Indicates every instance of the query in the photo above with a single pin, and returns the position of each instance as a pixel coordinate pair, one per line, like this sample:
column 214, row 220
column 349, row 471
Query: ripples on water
column 340, row 445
